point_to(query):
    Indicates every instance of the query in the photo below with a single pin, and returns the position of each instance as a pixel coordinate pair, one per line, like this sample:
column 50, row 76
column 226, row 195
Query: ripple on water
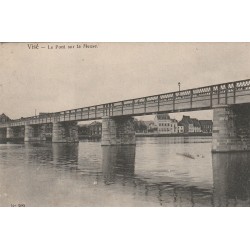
column 157, row 172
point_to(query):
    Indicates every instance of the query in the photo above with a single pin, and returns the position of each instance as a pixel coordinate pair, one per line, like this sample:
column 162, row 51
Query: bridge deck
column 186, row 100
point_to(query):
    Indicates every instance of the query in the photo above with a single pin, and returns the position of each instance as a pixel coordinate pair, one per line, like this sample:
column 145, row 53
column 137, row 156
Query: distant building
column 206, row 126
column 95, row 129
column 83, row 130
column 49, row 129
column 180, row 128
column 174, row 126
column 165, row 125
column 188, row 124
column 196, row 124
column 4, row 118
column 92, row 130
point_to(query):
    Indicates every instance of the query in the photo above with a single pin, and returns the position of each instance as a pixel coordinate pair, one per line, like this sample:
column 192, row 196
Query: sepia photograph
column 124, row 124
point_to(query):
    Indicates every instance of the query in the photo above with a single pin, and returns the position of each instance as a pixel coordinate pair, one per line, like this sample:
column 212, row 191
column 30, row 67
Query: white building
column 191, row 125
column 180, row 128
column 166, row 125
column 197, row 126
column 175, row 126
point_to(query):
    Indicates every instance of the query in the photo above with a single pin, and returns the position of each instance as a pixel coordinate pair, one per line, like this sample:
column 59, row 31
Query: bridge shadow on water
column 117, row 169
column 60, row 155
column 118, row 162
column 118, row 166
column 231, row 178
column 65, row 155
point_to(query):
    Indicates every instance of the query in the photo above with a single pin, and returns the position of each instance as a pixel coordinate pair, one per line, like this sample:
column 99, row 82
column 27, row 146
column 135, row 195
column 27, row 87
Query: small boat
column 187, row 155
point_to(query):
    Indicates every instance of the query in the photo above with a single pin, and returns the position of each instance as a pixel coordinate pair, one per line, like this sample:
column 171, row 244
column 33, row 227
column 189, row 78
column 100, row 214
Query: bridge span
column 230, row 102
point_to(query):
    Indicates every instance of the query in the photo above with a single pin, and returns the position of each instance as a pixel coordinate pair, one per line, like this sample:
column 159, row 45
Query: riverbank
column 150, row 135
column 82, row 137
column 171, row 135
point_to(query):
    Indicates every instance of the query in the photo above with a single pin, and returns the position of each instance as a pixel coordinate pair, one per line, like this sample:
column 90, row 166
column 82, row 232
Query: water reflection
column 149, row 174
column 37, row 153
column 231, row 174
column 118, row 161
column 65, row 155
column 118, row 167
column 57, row 154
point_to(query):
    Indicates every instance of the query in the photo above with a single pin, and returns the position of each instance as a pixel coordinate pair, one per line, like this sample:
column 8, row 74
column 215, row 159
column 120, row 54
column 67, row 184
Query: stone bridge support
column 3, row 134
column 9, row 133
column 231, row 128
column 34, row 133
column 118, row 131
column 65, row 132
column 14, row 133
column 230, row 178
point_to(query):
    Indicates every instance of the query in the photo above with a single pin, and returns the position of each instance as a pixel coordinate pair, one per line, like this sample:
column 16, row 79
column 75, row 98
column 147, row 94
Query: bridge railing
column 187, row 99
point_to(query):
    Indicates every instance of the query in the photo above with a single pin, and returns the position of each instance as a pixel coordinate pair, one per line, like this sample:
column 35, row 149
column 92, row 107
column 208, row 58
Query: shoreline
column 154, row 135
column 173, row 135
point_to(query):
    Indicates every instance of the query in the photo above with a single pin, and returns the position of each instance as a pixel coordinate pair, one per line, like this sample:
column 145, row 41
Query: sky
column 50, row 80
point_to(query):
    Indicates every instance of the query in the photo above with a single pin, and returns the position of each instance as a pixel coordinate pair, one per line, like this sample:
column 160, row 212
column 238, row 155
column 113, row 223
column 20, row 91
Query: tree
column 140, row 126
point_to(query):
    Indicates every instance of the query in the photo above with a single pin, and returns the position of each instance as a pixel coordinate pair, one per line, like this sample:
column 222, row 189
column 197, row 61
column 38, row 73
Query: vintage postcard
column 124, row 124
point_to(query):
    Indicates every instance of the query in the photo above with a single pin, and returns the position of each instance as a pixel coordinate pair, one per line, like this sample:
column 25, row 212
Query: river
column 163, row 171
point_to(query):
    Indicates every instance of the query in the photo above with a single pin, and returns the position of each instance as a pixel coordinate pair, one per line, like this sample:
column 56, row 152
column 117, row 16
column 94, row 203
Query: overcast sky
column 50, row 80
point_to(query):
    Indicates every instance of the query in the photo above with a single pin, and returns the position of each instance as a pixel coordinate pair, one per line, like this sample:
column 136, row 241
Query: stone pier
column 3, row 134
column 34, row 133
column 14, row 133
column 231, row 175
column 65, row 132
column 231, row 128
column 9, row 133
column 118, row 131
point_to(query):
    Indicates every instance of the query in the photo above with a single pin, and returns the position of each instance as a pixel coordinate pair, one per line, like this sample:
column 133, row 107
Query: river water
column 163, row 171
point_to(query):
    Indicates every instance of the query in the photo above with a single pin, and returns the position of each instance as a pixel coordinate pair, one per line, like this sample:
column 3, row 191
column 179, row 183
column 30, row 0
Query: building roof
column 163, row 116
column 206, row 122
column 186, row 120
column 195, row 122
column 180, row 123
column 5, row 117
